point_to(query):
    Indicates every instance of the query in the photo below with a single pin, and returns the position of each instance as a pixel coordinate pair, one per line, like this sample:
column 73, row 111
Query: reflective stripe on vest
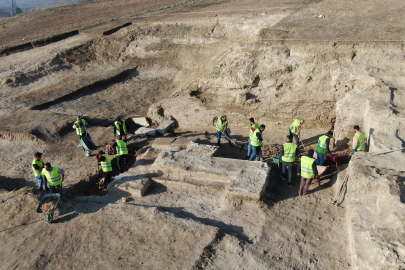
column 221, row 125
column 53, row 179
column 361, row 145
column 306, row 167
column 255, row 140
column 124, row 127
column 79, row 130
column 289, row 152
column 321, row 147
column 121, row 148
column 294, row 125
column 106, row 165
column 40, row 163
column 255, row 126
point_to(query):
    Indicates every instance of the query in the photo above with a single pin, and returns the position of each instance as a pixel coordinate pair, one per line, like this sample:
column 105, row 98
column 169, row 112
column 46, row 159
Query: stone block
column 197, row 166
column 143, row 131
column 165, row 126
column 126, row 183
column 163, row 143
column 142, row 121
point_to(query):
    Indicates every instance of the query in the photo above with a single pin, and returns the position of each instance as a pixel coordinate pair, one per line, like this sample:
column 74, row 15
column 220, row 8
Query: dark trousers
column 305, row 183
column 107, row 178
column 120, row 159
column 56, row 189
column 297, row 140
column 289, row 167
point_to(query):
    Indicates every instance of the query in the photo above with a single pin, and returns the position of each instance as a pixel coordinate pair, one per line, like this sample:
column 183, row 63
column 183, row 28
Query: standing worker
column 81, row 129
column 122, row 150
column 308, row 172
column 37, row 166
column 322, row 147
column 120, row 128
column 105, row 166
column 288, row 155
column 221, row 124
column 253, row 127
column 257, row 141
column 55, row 176
column 295, row 130
column 359, row 140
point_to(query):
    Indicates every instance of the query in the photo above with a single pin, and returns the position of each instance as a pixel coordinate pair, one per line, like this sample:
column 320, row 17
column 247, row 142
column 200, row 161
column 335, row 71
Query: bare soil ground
column 195, row 59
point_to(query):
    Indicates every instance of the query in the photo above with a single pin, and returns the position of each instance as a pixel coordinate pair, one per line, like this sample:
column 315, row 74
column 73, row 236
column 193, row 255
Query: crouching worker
column 55, row 176
column 105, row 162
column 308, row 172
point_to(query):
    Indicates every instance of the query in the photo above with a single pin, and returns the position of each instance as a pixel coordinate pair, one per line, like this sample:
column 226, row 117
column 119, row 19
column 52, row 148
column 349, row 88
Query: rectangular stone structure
column 165, row 126
column 197, row 166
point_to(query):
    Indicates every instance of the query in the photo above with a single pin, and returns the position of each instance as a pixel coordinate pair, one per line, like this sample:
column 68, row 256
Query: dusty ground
column 205, row 59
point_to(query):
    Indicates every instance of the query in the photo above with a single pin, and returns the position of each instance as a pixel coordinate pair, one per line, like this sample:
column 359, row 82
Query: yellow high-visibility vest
column 54, row 178
column 289, row 152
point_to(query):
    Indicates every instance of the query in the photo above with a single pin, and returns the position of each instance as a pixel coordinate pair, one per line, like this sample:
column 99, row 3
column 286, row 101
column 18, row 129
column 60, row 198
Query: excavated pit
column 194, row 69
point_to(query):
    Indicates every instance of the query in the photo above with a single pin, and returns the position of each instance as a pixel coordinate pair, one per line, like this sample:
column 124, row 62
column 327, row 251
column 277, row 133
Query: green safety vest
column 121, row 148
column 124, row 126
column 294, row 126
column 79, row 130
column 255, row 126
column 55, row 178
column 306, row 167
column 361, row 145
column 255, row 140
column 221, row 125
column 321, row 147
column 289, row 152
column 106, row 165
column 40, row 163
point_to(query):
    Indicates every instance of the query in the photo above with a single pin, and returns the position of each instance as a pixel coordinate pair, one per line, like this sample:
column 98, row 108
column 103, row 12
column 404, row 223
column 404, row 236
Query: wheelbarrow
column 278, row 161
column 48, row 216
column 336, row 158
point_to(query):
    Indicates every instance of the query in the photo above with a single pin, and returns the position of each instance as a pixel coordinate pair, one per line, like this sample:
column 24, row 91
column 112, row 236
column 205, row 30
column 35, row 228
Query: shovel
column 232, row 141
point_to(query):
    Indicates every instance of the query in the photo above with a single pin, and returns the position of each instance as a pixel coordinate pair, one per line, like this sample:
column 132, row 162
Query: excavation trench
column 93, row 183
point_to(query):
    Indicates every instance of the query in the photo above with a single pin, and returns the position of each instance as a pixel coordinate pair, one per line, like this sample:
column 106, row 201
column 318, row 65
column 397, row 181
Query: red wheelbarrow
column 321, row 170
column 336, row 158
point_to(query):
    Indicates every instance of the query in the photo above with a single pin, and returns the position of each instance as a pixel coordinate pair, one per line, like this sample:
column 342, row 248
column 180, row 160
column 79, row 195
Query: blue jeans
column 320, row 158
column 219, row 134
column 257, row 150
column 249, row 148
column 41, row 182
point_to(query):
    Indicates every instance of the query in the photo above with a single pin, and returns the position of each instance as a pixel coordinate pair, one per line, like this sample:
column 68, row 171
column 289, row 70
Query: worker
column 253, row 127
column 359, row 140
column 322, row 147
column 37, row 166
column 120, row 128
column 295, row 130
column 257, row 141
column 121, row 150
column 288, row 154
column 81, row 128
column 105, row 162
column 55, row 176
column 308, row 172
column 221, row 124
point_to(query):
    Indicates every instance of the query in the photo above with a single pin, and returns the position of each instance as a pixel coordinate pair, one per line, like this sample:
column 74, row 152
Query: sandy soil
column 205, row 59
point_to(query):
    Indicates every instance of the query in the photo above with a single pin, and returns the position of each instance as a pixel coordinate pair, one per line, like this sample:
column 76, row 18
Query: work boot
column 218, row 144
column 289, row 184
column 230, row 145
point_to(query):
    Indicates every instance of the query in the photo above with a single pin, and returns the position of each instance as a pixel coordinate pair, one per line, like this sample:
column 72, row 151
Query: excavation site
column 74, row 79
